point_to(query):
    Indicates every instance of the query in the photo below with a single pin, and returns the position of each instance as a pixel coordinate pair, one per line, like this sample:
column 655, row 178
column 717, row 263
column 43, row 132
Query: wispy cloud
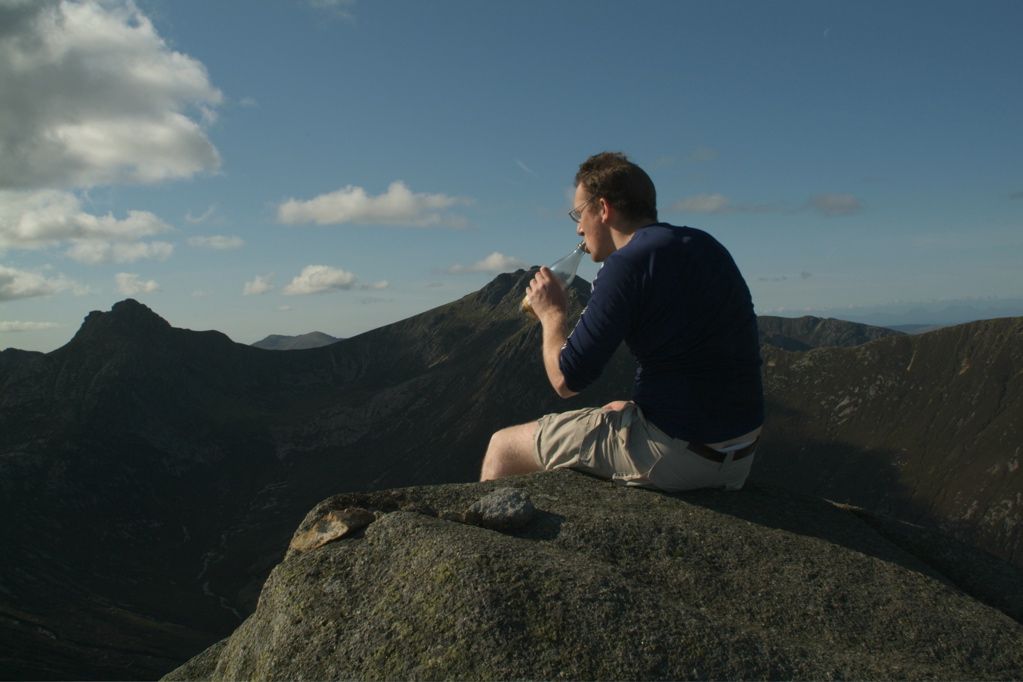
column 201, row 218
column 702, row 154
column 835, row 204
column 785, row 278
column 260, row 285
column 216, row 242
column 103, row 252
column 26, row 326
column 704, row 203
column 719, row 203
column 526, row 168
column 828, row 204
column 494, row 264
column 398, row 206
column 339, row 8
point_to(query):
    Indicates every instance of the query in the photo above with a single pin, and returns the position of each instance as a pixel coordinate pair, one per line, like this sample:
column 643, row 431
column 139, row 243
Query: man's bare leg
column 510, row 453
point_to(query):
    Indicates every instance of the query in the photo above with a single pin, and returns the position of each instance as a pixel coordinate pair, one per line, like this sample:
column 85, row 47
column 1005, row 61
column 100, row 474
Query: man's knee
column 510, row 453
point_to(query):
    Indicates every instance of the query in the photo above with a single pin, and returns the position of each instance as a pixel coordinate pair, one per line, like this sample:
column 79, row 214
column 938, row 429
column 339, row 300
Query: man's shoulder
column 664, row 236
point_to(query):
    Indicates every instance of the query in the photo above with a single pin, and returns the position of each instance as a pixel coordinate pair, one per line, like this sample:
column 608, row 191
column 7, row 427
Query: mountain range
column 152, row 476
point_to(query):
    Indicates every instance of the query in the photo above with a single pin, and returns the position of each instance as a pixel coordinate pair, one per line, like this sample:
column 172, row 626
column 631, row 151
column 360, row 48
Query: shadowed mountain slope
column 151, row 476
column 925, row 428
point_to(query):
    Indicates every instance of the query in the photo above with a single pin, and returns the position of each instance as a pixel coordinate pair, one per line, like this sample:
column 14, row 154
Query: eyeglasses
column 576, row 213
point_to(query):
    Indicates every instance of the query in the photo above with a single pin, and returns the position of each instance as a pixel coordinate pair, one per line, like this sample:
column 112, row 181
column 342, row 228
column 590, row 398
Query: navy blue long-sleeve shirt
column 677, row 299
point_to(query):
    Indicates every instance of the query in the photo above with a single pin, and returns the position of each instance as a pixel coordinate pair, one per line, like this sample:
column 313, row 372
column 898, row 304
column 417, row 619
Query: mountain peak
column 126, row 318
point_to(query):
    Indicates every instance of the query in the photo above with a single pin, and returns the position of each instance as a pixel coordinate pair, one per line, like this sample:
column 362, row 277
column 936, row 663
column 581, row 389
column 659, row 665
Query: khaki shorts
column 624, row 447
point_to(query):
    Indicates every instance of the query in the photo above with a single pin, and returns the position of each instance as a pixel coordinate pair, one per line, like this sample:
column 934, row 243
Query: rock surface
column 607, row 582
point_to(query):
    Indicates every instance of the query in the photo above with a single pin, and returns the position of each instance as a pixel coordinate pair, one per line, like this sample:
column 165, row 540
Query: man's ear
column 607, row 211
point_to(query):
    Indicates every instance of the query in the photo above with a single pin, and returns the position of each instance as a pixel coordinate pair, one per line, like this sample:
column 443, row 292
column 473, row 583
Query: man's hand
column 547, row 294
column 617, row 405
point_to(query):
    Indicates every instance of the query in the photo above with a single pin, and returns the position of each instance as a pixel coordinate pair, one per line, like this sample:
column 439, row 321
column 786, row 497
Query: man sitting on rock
column 676, row 298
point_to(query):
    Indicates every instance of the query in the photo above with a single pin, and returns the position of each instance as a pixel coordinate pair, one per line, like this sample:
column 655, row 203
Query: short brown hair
column 621, row 183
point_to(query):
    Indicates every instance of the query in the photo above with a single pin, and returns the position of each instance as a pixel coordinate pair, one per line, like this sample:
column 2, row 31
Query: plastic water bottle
column 564, row 270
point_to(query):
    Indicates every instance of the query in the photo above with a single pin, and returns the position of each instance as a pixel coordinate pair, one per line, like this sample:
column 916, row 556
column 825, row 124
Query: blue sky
column 284, row 166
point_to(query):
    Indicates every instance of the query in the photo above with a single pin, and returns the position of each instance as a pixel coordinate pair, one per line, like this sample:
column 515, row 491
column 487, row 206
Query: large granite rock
column 605, row 582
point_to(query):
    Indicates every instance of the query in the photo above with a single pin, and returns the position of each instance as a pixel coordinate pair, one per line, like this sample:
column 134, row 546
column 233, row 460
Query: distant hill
column 918, row 328
column 804, row 333
column 310, row 340
column 928, row 314
column 150, row 476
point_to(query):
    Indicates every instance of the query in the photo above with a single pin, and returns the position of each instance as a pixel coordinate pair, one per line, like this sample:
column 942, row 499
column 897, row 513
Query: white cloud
column 319, row 279
column 704, row 203
column 494, row 264
column 93, row 95
column 45, row 218
column 260, row 285
column 26, row 326
column 398, row 206
column 216, row 242
column 17, row 284
column 129, row 284
column 835, row 204
column 382, row 284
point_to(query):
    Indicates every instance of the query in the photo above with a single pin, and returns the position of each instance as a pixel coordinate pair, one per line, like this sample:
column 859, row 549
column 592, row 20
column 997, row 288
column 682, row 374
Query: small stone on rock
column 504, row 509
column 333, row 526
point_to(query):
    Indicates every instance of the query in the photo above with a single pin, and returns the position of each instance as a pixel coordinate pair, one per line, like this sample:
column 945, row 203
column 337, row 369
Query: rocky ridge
column 808, row 332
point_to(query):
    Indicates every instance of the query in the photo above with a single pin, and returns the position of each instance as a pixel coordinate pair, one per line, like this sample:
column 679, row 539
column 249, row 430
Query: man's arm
column 547, row 296
column 554, row 337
